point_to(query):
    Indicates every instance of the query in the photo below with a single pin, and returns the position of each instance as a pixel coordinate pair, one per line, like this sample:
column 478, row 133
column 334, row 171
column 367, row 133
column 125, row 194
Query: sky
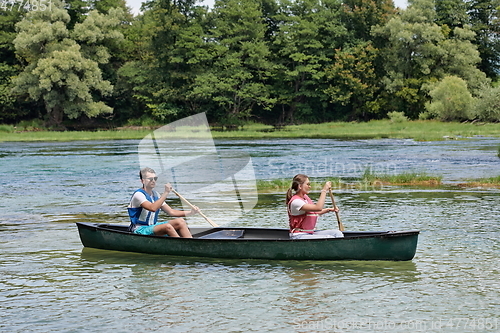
column 136, row 4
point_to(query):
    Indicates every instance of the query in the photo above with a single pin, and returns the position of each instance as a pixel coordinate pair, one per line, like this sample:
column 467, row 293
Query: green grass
column 282, row 185
column 278, row 185
column 367, row 181
column 486, row 182
column 373, row 181
column 491, row 180
column 421, row 130
column 6, row 128
column 73, row 135
column 405, row 178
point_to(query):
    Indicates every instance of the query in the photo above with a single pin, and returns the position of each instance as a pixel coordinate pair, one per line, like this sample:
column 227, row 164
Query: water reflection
column 232, row 288
column 403, row 271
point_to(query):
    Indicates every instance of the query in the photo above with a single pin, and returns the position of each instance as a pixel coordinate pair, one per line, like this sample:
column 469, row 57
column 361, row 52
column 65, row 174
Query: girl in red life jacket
column 303, row 213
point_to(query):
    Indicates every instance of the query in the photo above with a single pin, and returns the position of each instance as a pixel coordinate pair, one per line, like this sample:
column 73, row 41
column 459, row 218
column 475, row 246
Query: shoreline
column 377, row 184
column 419, row 130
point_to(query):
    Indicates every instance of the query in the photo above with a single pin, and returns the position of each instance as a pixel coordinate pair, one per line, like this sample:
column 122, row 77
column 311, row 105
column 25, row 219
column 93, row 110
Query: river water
column 49, row 282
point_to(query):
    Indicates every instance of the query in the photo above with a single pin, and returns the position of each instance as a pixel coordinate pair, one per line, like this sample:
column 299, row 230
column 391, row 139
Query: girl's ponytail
column 297, row 180
column 289, row 195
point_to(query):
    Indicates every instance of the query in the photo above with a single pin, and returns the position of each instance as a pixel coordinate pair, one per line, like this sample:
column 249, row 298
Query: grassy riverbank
column 405, row 178
column 368, row 180
column 482, row 182
column 373, row 181
column 377, row 129
column 418, row 130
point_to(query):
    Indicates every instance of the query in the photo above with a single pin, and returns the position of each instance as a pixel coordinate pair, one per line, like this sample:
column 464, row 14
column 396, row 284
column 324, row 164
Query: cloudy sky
column 136, row 4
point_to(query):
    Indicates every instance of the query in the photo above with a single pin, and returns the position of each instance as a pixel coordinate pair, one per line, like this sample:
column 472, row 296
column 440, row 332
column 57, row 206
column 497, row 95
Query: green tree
column 136, row 76
column 8, row 111
column 419, row 53
column 460, row 57
column 120, row 52
column 451, row 100
column 353, row 80
column 182, row 54
column 484, row 20
column 452, row 13
column 361, row 15
column 103, row 6
column 8, row 62
column 309, row 32
column 63, row 65
column 12, row 108
column 239, row 68
column 167, row 50
column 77, row 10
column 487, row 106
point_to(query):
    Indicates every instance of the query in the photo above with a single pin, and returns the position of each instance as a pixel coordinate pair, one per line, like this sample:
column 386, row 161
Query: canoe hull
column 272, row 244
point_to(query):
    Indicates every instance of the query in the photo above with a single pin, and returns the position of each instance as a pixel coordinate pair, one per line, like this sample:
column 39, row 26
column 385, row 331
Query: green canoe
column 254, row 243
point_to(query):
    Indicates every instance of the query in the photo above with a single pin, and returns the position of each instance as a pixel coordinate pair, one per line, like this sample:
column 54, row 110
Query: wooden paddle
column 341, row 226
column 192, row 207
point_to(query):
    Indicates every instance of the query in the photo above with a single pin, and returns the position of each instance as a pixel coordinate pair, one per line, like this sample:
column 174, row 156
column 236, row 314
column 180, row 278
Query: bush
column 451, row 100
column 397, row 117
column 144, row 121
column 487, row 106
column 6, row 128
column 31, row 125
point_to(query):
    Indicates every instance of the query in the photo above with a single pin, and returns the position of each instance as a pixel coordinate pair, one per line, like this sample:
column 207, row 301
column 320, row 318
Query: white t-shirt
column 138, row 198
column 296, row 205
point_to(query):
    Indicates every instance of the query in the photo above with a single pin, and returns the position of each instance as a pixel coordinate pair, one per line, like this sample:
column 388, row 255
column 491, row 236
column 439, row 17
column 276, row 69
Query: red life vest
column 304, row 222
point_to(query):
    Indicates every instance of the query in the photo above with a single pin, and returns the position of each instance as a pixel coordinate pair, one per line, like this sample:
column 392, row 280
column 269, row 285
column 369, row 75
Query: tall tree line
column 278, row 62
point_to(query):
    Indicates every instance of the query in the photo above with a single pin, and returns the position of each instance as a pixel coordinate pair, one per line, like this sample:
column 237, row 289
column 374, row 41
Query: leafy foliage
column 353, row 80
column 484, row 21
column 451, row 101
column 487, row 106
column 309, row 32
column 10, row 107
column 240, row 65
column 420, row 53
column 397, row 117
column 63, row 65
column 279, row 62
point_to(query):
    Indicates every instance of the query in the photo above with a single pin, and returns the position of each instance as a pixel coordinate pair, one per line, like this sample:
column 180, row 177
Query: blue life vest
column 135, row 213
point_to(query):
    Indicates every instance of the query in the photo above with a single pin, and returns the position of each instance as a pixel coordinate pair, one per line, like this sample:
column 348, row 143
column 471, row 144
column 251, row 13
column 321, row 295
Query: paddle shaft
column 341, row 226
column 193, row 207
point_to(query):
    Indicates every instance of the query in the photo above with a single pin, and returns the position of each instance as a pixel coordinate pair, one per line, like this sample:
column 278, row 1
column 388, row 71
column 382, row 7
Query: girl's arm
column 318, row 207
column 327, row 210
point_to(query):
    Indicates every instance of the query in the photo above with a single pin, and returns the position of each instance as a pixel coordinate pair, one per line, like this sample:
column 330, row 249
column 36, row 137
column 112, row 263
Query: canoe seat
column 224, row 234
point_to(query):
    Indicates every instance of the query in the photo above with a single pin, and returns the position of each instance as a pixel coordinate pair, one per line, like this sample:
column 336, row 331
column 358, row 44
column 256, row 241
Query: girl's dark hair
column 296, row 181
